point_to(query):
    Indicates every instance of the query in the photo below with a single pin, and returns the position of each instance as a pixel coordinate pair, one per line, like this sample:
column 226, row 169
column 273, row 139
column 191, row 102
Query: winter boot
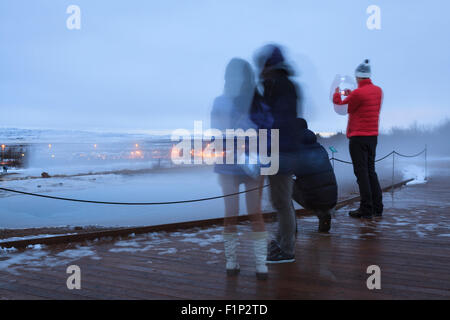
column 260, row 250
column 324, row 220
column 230, row 244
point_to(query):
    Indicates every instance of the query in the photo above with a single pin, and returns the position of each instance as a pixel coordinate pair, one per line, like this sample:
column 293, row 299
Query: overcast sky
column 158, row 65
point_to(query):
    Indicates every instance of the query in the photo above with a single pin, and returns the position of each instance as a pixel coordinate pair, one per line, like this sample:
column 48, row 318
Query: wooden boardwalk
column 411, row 245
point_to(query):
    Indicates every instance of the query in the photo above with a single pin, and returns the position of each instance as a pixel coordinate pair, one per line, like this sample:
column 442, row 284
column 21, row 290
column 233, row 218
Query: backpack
column 261, row 118
column 260, row 113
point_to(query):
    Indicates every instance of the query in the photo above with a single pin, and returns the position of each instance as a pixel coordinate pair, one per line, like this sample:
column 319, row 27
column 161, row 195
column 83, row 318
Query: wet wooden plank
column 165, row 265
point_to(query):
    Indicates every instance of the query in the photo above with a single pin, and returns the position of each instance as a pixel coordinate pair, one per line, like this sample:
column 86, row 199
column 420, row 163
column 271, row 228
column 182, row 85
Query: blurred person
column 232, row 110
column 364, row 105
column 281, row 94
column 315, row 186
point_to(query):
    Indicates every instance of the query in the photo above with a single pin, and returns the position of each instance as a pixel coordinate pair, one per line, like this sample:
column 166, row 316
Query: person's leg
column 281, row 187
column 359, row 155
column 324, row 220
column 377, row 194
column 323, row 215
column 259, row 235
column 297, row 195
column 253, row 202
column 230, row 185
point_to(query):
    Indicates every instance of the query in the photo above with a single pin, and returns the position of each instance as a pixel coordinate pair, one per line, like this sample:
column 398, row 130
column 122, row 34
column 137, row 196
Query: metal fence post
column 393, row 172
column 426, row 164
column 333, row 159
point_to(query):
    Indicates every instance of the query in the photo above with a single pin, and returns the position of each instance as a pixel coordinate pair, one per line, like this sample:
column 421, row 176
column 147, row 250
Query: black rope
column 180, row 201
column 413, row 156
column 130, row 203
column 343, row 161
column 386, row 156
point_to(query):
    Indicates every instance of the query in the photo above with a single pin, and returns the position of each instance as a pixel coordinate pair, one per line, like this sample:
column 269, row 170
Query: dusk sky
column 152, row 66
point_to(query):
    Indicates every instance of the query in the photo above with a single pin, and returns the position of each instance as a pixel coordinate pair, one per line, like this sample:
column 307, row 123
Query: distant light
column 3, row 147
column 137, row 146
column 23, row 155
column 49, row 146
column 327, row 134
column 53, row 155
column 95, row 145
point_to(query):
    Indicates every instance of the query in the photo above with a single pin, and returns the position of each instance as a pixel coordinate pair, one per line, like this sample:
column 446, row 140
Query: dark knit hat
column 363, row 70
column 275, row 58
column 271, row 57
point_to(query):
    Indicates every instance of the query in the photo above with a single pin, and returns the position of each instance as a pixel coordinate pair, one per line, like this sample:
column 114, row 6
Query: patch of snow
column 131, row 250
column 202, row 242
column 129, row 243
column 212, row 250
column 35, row 246
column 78, row 253
column 168, row 251
column 414, row 172
column 7, row 250
column 428, row 227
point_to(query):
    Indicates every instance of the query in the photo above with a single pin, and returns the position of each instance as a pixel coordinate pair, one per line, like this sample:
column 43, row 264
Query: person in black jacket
column 281, row 94
column 315, row 186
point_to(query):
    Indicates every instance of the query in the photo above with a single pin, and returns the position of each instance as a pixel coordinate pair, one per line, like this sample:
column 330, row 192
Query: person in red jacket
column 364, row 105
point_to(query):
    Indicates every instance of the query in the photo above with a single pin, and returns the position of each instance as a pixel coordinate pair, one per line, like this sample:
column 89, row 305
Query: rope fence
column 393, row 153
column 131, row 203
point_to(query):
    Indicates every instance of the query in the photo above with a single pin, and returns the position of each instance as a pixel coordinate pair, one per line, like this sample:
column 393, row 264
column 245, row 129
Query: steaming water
column 18, row 211
column 414, row 172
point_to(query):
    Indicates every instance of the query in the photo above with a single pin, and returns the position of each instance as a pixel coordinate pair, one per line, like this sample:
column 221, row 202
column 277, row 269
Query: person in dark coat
column 315, row 186
column 281, row 94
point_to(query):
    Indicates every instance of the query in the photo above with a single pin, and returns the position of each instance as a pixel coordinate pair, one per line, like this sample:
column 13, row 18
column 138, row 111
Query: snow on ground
column 414, row 172
column 37, row 256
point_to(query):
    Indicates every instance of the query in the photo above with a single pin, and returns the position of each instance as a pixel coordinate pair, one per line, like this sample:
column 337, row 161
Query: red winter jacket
column 364, row 104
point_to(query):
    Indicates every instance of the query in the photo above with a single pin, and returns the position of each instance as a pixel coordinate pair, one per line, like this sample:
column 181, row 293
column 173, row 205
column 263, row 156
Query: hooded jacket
column 315, row 186
column 282, row 96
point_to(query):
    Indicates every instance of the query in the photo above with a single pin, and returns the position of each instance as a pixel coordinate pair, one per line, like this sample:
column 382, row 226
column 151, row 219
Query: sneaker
column 358, row 214
column 233, row 272
column 279, row 256
column 272, row 247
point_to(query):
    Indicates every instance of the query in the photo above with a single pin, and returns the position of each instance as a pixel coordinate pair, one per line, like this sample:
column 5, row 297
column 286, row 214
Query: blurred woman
column 232, row 110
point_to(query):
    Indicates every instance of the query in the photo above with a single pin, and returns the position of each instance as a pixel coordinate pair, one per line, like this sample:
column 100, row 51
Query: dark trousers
column 363, row 151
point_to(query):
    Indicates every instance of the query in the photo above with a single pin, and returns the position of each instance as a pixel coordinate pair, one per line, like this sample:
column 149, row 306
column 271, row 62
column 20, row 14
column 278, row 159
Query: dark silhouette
column 364, row 105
